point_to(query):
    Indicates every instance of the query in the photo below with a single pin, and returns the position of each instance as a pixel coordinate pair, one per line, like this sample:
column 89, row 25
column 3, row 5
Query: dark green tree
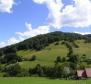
column 13, row 70
column 58, row 59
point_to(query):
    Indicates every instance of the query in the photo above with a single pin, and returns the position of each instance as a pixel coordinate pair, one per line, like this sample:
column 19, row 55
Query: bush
column 39, row 70
column 57, row 43
column 75, row 45
column 23, row 73
column 10, row 58
column 58, row 59
column 33, row 58
column 13, row 69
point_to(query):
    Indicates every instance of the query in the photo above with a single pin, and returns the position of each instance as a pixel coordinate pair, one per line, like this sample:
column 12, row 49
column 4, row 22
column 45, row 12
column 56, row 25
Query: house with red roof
column 86, row 73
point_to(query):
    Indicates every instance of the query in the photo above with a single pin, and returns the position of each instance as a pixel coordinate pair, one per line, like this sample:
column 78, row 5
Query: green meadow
column 38, row 80
column 47, row 56
column 84, row 48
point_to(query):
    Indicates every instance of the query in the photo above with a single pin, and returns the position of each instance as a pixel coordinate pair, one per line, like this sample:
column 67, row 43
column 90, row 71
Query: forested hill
column 43, row 55
column 41, row 41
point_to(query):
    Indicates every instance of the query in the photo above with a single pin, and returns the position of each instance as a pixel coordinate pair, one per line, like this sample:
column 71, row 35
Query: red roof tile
column 80, row 73
column 88, row 72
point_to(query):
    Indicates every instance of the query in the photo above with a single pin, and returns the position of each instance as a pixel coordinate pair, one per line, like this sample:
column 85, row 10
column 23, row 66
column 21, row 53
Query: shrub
column 13, row 69
column 33, row 58
column 57, row 43
column 58, row 59
column 23, row 73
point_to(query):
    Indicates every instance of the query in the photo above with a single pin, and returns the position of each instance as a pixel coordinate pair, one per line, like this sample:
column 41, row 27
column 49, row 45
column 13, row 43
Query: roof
column 88, row 72
column 80, row 73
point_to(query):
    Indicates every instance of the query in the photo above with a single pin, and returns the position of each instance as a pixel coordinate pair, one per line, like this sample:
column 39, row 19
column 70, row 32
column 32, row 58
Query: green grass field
column 37, row 80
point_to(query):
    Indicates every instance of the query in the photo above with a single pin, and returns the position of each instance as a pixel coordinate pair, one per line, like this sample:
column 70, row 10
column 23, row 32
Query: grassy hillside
column 44, row 57
column 84, row 48
column 47, row 55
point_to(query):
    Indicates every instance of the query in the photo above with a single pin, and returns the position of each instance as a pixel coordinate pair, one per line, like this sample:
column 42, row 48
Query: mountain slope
column 46, row 50
column 48, row 46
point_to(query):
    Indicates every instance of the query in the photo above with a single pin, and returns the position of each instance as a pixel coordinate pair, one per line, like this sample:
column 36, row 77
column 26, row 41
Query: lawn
column 37, row 80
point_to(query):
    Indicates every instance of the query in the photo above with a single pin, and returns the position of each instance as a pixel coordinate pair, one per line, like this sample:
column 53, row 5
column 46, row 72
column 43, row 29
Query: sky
column 22, row 19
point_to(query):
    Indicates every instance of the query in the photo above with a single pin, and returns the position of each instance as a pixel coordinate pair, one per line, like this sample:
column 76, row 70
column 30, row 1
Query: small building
column 80, row 74
column 86, row 73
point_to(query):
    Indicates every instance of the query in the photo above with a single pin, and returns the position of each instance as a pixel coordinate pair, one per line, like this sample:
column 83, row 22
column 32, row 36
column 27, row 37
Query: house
column 86, row 73
column 80, row 74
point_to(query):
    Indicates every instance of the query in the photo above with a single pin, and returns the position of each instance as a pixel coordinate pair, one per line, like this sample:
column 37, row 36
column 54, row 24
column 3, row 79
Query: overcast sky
column 22, row 19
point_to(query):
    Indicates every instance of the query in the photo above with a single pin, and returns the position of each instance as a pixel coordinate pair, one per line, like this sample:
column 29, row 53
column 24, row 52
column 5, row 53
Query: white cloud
column 30, row 32
column 6, row 5
column 12, row 40
column 77, row 14
column 54, row 16
column 2, row 44
column 39, row 1
column 83, row 33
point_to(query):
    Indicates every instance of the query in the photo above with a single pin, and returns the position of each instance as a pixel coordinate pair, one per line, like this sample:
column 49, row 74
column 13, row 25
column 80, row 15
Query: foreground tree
column 13, row 70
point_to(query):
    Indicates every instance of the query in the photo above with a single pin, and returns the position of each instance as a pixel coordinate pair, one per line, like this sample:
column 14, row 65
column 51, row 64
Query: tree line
column 41, row 41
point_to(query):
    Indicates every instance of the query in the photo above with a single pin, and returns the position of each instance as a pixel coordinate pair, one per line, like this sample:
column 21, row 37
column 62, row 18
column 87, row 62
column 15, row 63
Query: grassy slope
column 49, row 54
column 37, row 80
column 84, row 48
column 45, row 56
